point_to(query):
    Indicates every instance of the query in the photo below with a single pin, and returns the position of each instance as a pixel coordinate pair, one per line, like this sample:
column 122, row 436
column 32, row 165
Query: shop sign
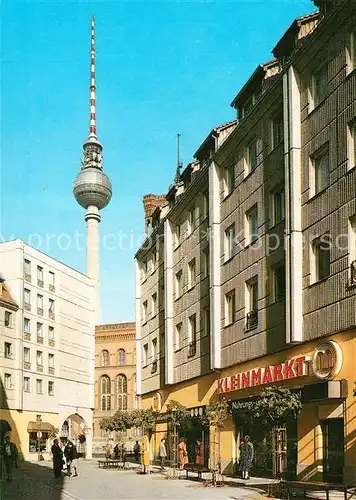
column 327, row 360
column 157, row 402
column 288, row 370
column 196, row 412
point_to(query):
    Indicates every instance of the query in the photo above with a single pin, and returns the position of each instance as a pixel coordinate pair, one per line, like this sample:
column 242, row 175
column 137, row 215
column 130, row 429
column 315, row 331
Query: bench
column 196, row 468
column 289, row 486
column 111, row 463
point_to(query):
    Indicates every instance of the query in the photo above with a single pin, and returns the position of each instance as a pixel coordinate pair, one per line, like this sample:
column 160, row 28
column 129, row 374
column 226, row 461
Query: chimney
column 150, row 203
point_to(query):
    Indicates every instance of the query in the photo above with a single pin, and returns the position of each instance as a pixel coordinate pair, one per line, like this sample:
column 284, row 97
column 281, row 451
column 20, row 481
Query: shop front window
column 35, row 442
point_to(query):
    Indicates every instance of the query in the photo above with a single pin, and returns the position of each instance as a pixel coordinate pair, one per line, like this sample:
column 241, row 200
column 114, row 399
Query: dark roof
column 212, row 134
column 288, row 41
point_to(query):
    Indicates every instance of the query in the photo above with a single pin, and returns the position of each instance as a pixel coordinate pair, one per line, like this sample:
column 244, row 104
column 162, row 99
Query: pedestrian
column 57, row 456
column 182, row 453
column 10, row 455
column 137, row 450
column 246, row 457
column 199, row 453
column 116, row 451
column 71, row 454
column 162, row 453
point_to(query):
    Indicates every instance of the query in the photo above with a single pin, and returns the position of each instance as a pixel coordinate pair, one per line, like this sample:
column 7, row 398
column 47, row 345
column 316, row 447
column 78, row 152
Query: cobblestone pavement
column 36, row 482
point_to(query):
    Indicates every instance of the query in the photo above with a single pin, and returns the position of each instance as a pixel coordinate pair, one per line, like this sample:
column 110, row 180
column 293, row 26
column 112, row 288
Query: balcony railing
column 39, row 339
column 40, row 368
column 27, row 306
column 40, row 311
column 27, row 365
column 51, row 370
column 251, row 320
column 51, row 315
column 154, row 366
column 26, row 335
column 52, row 288
column 51, row 343
column 28, row 277
column 40, row 283
column 192, row 349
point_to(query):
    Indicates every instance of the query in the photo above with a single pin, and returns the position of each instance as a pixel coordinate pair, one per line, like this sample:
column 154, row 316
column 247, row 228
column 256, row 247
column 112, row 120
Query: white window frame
column 314, row 260
column 250, row 236
column 249, row 294
column 230, row 307
column 248, row 156
column 50, row 392
column 205, row 262
column 52, row 278
column 229, row 243
column 277, row 268
column 191, row 220
column 26, row 384
column 39, row 329
column 192, row 328
column 205, row 204
column 145, row 355
column 229, row 179
column 178, row 282
column 315, row 162
column 39, row 358
column 7, row 381
column 192, row 274
column 144, row 311
column 276, row 119
column 50, row 360
column 8, row 350
column 27, row 355
column 352, row 239
column 154, row 308
column 351, row 144
column 8, row 319
column 27, row 325
column 351, row 53
column 51, row 333
column 275, row 193
column 27, row 295
column 39, row 386
column 154, row 349
column 178, row 336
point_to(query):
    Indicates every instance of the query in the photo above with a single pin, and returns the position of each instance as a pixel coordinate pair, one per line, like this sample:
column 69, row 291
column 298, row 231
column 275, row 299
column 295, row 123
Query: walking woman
column 246, row 457
column 57, row 455
column 182, row 453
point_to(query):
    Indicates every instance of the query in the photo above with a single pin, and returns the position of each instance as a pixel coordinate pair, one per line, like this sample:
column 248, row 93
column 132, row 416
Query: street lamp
column 39, row 435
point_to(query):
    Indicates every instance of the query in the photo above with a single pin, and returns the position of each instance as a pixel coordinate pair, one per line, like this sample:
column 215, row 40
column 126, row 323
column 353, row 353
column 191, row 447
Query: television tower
column 92, row 187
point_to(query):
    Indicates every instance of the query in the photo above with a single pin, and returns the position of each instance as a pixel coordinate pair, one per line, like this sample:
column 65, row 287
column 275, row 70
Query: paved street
column 36, row 482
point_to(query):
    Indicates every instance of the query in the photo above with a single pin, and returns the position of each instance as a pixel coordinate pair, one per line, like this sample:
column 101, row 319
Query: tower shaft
column 92, row 219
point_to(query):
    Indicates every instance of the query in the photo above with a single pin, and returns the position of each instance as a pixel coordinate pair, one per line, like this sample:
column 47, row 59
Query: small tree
column 176, row 416
column 53, row 432
column 144, row 420
column 215, row 416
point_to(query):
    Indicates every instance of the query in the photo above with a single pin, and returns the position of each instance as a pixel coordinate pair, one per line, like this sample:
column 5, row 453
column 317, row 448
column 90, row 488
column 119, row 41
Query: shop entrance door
column 279, row 437
column 333, row 449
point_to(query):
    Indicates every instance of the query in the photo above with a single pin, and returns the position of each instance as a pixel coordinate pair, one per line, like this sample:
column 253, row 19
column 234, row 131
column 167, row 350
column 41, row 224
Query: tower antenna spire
column 92, row 117
column 177, row 177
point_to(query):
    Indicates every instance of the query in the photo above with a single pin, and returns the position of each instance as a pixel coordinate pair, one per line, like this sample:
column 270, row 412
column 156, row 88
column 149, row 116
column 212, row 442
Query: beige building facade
column 251, row 261
column 115, row 376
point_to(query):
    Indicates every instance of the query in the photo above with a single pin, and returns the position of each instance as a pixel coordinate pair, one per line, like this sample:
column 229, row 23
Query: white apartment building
column 48, row 349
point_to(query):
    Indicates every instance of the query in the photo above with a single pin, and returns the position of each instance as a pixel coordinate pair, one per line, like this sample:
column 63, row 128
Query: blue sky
column 162, row 67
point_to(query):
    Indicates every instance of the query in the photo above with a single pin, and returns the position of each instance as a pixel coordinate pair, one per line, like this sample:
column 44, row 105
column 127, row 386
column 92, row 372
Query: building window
column 205, row 204
column 50, row 388
column 230, row 308
column 352, row 249
column 351, row 144
column 39, row 359
column 40, row 276
column 105, row 393
column 207, row 320
column 178, row 336
column 252, row 303
column 177, row 234
column 144, row 311
column 251, row 156
column 8, row 319
column 144, row 269
column 279, row 283
column 7, row 381
column 351, row 52
column 51, row 361
column 192, row 329
column 121, row 392
column 50, row 333
column 51, row 279
column 27, row 298
column 251, row 225
column 51, row 307
column 277, row 130
column 205, row 262
column 39, row 386
column 229, row 179
column 178, row 284
column 191, row 220
column 320, row 173
column 230, row 242
column 8, row 350
column 320, row 85
column 39, row 304
column 40, row 330
column 26, row 384
column 154, row 304
column 35, row 444
column 27, row 266
column 154, row 350
column 26, row 355
column 278, row 206
column 321, row 261
column 26, row 325
column 145, row 355
column 104, row 358
column 191, row 273
column 121, row 357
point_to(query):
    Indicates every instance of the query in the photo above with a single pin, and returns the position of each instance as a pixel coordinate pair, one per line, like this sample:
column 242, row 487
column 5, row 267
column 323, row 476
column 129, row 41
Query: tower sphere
column 92, row 187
